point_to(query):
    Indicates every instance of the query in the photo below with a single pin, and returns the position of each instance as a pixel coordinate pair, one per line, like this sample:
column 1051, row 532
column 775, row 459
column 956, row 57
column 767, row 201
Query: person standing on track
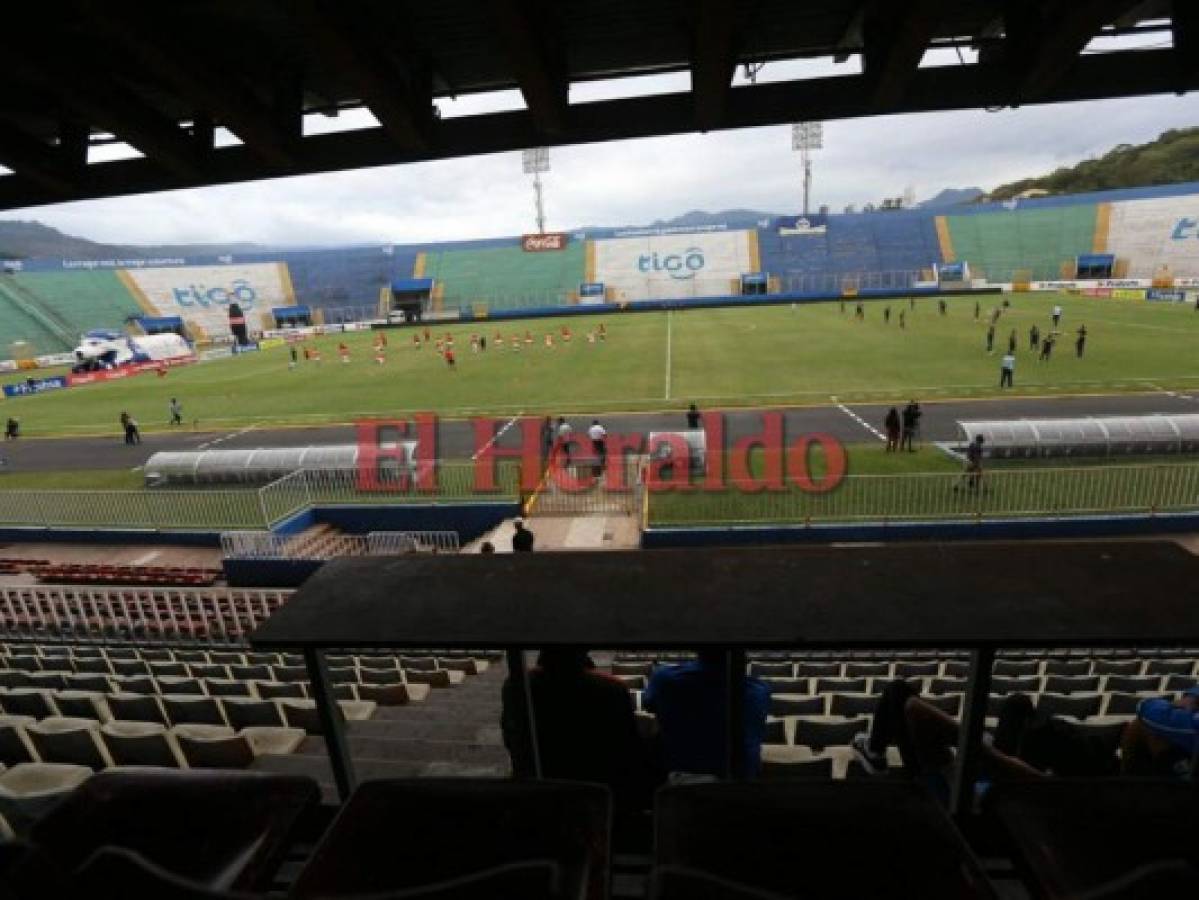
column 973, row 475
column 892, row 427
column 1006, row 367
column 599, row 442
column 911, row 424
column 1080, row 344
column 693, row 417
column 564, row 433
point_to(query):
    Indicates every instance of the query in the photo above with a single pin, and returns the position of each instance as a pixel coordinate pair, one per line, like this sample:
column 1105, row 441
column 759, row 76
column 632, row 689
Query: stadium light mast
column 534, row 162
column 806, row 137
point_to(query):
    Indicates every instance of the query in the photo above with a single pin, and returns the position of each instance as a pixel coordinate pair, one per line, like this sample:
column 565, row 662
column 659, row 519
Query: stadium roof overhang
column 214, row 91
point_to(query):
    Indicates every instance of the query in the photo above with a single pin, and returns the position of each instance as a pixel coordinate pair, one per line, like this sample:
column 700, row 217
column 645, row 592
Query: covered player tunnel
column 1085, row 436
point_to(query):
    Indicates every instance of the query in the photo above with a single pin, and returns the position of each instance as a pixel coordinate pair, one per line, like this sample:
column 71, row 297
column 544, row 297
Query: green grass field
column 777, row 355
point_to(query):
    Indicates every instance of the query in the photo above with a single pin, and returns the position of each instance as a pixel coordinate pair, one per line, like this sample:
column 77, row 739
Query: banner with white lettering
column 1152, row 234
column 661, row 267
column 202, row 294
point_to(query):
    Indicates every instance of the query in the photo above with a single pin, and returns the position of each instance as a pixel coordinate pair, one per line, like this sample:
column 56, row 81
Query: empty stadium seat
column 15, row 746
column 1079, row 706
column 455, row 827
column 213, row 750
column 751, row 834
column 74, row 741
column 234, row 834
column 141, row 744
column 1103, row 837
column 796, row 706
column 135, row 708
column 193, row 710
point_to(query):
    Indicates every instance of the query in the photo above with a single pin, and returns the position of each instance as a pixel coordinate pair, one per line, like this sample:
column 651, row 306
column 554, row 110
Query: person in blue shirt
column 690, row 703
column 1164, row 738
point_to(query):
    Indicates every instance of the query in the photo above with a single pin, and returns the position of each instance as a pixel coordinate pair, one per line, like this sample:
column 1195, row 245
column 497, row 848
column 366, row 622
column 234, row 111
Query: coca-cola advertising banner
column 536, row 243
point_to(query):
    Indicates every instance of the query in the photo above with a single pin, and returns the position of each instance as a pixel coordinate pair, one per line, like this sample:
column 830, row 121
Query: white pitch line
column 853, row 415
column 669, row 347
column 495, row 437
column 227, row 437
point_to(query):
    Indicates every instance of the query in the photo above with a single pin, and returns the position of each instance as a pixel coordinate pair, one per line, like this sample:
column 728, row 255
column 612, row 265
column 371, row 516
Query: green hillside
column 1171, row 159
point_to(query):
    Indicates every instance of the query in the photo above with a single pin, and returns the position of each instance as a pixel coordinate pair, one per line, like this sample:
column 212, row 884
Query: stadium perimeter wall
column 987, row 529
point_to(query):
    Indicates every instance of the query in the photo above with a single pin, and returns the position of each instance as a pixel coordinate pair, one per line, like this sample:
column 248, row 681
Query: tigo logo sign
column 679, row 266
column 239, row 292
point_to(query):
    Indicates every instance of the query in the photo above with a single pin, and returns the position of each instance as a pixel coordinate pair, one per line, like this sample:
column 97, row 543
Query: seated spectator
column 690, row 703
column 1026, row 743
column 585, row 727
column 1164, row 738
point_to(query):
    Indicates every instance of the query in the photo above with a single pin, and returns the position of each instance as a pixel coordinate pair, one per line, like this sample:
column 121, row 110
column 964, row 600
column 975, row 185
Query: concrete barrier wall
column 995, row 529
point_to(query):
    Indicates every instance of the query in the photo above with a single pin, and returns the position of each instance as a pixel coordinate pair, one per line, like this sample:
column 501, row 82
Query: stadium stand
column 505, row 277
column 1039, row 240
column 345, row 283
column 1144, row 230
column 820, row 701
column 83, row 300
column 18, row 324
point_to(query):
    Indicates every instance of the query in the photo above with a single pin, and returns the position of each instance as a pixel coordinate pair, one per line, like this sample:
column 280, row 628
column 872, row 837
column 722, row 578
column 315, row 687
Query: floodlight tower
column 534, row 162
column 806, row 137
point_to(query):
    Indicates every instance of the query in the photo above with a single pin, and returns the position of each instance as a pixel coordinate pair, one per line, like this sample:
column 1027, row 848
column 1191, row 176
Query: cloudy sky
column 630, row 182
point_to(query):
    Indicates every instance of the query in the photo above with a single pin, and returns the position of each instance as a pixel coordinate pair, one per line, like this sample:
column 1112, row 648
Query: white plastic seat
column 213, row 747
column 83, row 705
column 61, row 739
column 273, row 741
column 15, row 746
column 40, row 779
column 29, row 701
column 141, row 744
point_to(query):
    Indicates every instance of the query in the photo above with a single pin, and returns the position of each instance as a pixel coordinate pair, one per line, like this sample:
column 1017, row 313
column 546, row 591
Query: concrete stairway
column 455, row 732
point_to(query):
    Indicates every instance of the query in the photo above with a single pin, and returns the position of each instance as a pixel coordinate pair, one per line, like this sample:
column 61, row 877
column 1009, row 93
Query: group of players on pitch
column 443, row 345
column 1037, row 341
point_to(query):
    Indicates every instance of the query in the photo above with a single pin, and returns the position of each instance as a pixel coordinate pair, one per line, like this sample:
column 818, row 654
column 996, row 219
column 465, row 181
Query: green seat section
column 81, row 300
column 507, row 277
column 16, row 324
column 1003, row 242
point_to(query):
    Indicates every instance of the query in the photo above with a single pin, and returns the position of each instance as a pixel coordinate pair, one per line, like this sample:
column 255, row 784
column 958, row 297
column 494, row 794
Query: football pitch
column 728, row 357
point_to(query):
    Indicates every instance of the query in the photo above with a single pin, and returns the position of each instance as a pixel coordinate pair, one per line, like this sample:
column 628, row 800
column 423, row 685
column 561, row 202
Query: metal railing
column 554, row 499
column 268, row 545
column 209, row 614
column 265, row 507
column 131, row 509
column 1032, row 492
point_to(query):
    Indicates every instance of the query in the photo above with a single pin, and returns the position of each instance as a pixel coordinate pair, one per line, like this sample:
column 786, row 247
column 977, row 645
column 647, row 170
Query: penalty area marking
column 853, row 415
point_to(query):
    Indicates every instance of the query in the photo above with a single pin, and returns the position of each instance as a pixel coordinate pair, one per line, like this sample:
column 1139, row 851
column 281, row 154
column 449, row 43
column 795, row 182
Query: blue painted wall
column 998, row 529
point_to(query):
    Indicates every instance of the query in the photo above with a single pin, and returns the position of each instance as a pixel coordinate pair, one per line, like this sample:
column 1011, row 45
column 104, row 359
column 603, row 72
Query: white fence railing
column 201, row 614
column 209, row 509
column 1001, row 493
column 267, row 545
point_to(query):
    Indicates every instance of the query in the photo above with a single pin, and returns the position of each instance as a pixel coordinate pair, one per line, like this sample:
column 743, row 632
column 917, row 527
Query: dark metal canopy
column 163, row 77
column 996, row 595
